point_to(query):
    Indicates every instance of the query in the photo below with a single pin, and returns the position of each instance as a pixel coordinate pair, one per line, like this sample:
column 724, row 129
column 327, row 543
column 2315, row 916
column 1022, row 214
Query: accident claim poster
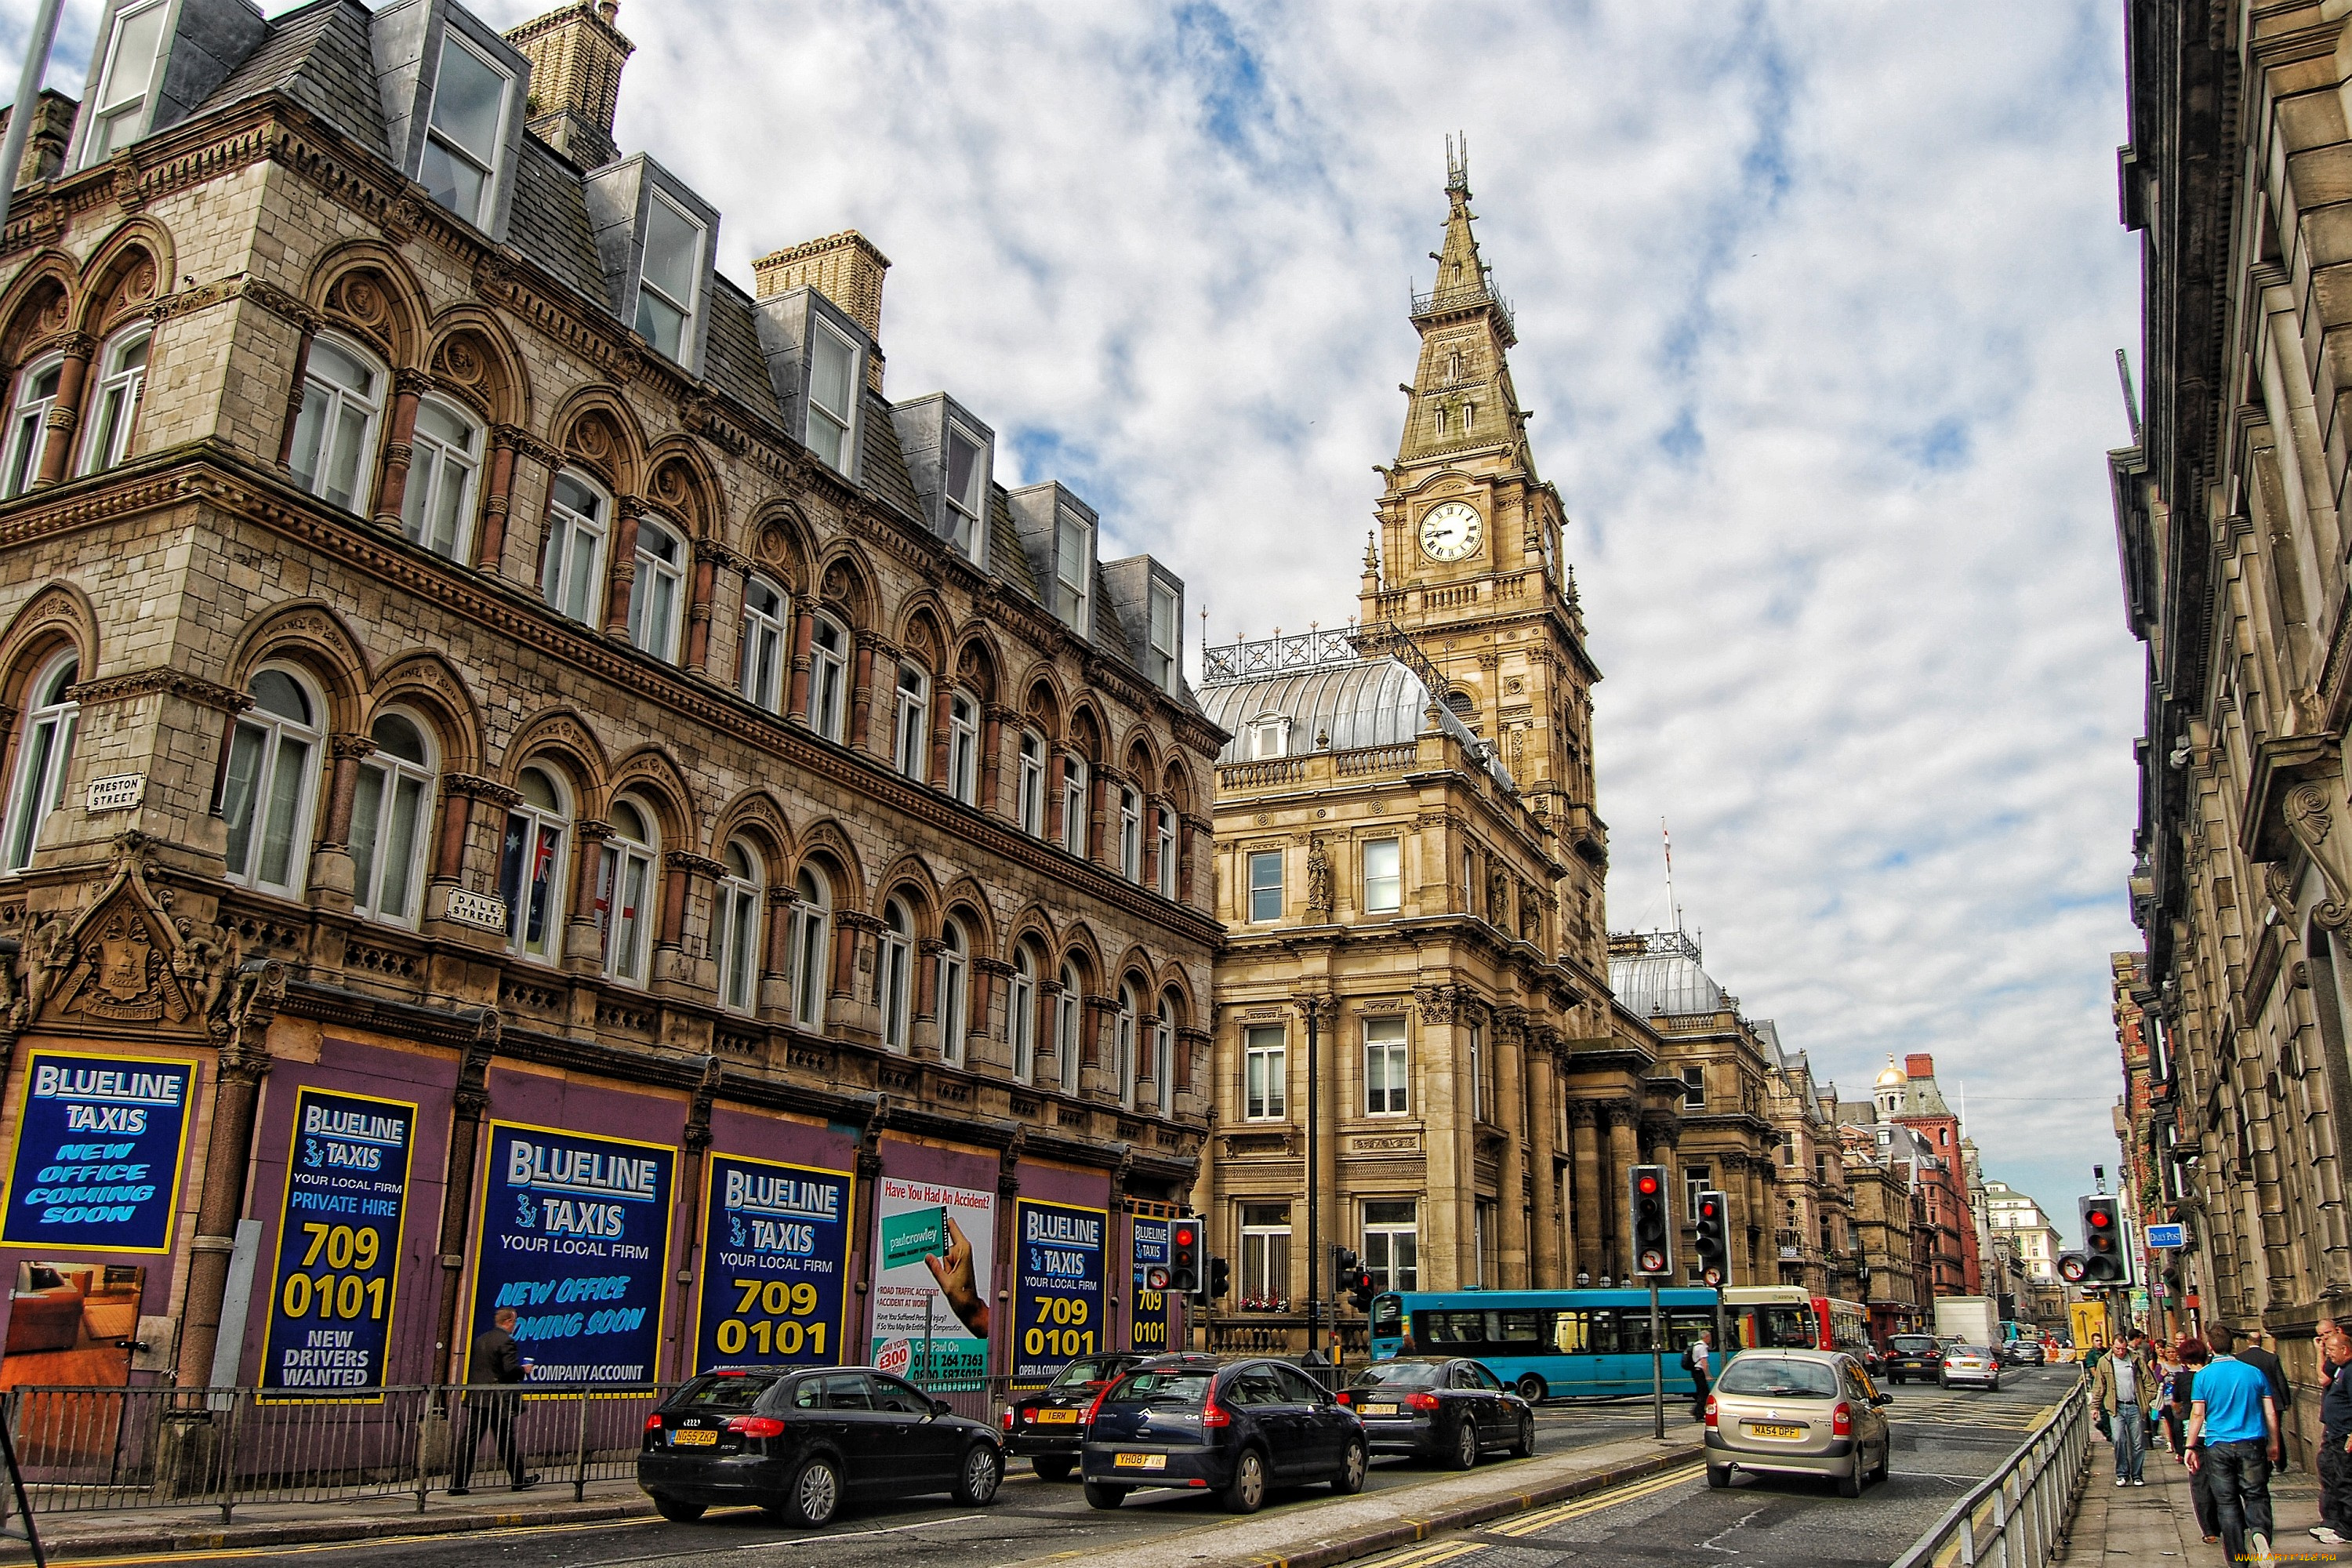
column 776, row 1251
column 1057, row 1301
column 934, row 1280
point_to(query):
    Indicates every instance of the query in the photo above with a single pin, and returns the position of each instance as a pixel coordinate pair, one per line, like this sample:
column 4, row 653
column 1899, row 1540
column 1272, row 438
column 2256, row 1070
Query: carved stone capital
column 693, row 865
column 475, row 787
column 345, row 746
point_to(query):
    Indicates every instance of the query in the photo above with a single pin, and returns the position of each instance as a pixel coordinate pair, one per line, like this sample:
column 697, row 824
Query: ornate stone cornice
column 137, row 683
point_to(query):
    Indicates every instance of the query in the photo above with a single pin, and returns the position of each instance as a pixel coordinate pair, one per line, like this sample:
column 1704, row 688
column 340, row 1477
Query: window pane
column 367, row 820
column 400, row 848
column 963, row 471
column 332, row 364
column 452, row 180
column 285, row 797
column 830, row 362
column 466, row 101
column 32, row 808
column 662, row 323
column 826, row 437
column 1383, row 888
column 237, row 794
column 672, row 243
column 348, row 443
column 135, row 37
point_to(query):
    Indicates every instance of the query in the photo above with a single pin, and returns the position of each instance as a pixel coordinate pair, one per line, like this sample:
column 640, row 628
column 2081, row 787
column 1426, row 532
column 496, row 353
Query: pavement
column 2156, row 1524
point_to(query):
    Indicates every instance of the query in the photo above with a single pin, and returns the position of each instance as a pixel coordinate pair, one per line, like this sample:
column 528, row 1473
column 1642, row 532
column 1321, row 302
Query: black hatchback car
column 799, row 1441
column 1049, row 1427
column 1913, row 1355
column 1237, row 1428
column 2024, row 1352
column 1439, row 1409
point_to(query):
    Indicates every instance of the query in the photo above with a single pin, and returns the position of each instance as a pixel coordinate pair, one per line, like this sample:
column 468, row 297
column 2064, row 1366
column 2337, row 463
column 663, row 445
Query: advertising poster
column 1057, row 1302
column 574, row 1235
column 1149, row 1324
column 933, row 1283
column 337, row 1273
column 775, row 1250
column 96, row 1167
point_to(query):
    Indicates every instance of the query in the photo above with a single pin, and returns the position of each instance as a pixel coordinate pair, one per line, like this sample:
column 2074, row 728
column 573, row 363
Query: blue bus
column 1567, row 1342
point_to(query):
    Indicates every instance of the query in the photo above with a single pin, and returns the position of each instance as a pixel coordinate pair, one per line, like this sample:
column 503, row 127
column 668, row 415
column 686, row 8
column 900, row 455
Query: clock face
column 1449, row 530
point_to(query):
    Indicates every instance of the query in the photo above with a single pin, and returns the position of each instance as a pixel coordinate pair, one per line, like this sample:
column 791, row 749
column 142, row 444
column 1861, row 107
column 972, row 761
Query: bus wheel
column 1531, row 1389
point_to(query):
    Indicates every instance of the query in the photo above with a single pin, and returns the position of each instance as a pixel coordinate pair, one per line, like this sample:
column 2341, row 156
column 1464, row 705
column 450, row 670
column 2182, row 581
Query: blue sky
column 1818, row 307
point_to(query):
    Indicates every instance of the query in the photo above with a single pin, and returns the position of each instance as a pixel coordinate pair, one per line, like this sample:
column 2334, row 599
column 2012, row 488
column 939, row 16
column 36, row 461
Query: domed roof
column 1339, row 706
column 1892, row 1078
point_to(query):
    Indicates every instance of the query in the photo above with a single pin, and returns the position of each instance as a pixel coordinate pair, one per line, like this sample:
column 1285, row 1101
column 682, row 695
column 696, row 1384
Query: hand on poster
column 953, row 1270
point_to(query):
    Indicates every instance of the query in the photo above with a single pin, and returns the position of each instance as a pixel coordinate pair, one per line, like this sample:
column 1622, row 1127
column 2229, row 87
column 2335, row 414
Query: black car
column 799, row 1441
column 1913, row 1355
column 1048, row 1427
column 2024, row 1352
column 1439, row 1409
column 1236, row 1429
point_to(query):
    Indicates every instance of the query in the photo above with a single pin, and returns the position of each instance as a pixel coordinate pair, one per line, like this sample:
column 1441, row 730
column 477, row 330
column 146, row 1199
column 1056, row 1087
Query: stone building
column 1888, row 1217
column 484, row 686
column 1812, row 1220
column 1907, row 1097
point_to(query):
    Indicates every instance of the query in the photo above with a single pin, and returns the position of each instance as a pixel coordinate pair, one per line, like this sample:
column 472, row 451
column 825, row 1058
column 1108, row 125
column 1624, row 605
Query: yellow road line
column 1560, row 1513
column 1427, row 1556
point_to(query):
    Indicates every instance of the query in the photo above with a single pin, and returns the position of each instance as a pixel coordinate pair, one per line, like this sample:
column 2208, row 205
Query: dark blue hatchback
column 1236, row 1429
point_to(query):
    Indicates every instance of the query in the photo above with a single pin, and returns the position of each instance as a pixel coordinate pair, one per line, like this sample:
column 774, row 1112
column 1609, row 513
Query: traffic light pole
column 1657, row 1369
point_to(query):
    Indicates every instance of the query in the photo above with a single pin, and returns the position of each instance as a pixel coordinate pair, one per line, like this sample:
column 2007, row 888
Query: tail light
column 653, row 1422
column 1842, row 1420
column 1096, row 1406
column 1214, row 1414
column 1346, row 1396
column 1008, row 1418
column 1711, row 1410
column 757, row 1427
column 1422, row 1401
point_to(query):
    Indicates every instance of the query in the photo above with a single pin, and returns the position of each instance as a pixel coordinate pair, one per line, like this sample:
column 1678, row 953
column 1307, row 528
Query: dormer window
column 967, row 479
column 665, row 280
column 121, row 98
column 1073, row 569
column 833, row 365
column 1269, row 736
column 1161, row 656
column 467, row 129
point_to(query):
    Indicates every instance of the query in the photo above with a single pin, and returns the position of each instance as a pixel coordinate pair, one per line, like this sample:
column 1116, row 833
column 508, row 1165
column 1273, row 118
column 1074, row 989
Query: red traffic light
column 1706, row 1209
column 2100, row 1219
column 1648, row 1185
column 1183, row 1236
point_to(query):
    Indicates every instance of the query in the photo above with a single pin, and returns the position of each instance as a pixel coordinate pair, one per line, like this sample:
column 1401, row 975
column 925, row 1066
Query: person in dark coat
column 2252, row 1353
column 497, row 1359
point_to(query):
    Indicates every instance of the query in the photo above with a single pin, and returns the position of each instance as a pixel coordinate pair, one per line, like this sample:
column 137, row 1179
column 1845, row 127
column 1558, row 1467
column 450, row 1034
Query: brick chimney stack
column 1920, row 1066
column 576, row 55
column 846, row 268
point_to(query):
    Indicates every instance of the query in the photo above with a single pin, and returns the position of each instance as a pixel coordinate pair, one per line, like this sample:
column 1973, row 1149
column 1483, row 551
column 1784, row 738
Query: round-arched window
column 738, row 918
column 625, row 889
column 531, row 863
column 44, row 756
column 389, row 825
column 272, row 778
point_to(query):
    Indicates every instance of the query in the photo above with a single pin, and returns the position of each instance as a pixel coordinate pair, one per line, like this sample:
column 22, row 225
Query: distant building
column 1908, row 1096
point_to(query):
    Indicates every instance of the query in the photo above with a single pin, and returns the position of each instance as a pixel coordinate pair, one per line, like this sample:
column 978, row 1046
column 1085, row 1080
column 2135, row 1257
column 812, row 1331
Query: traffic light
column 1344, row 1269
column 1711, row 1218
column 1184, row 1255
column 2103, row 1259
column 1360, row 1290
column 1653, row 1233
column 1221, row 1278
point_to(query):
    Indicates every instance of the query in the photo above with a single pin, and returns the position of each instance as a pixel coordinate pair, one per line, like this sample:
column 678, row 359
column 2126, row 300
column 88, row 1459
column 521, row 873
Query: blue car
column 1236, row 1429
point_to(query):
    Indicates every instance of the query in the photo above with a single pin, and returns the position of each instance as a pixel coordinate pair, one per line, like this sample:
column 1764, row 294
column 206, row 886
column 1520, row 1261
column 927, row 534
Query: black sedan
column 1049, row 1427
column 798, row 1442
column 1236, row 1429
column 1913, row 1355
column 1439, row 1409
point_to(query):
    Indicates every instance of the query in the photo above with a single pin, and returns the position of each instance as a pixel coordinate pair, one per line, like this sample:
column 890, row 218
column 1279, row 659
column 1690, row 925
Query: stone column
column 923, row 1028
column 796, row 707
column 399, row 447
column 583, row 943
column 294, row 395
column 709, row 553
column 459, row 794
column 621, row 571
column 775, row 996
column 257, row 988
column 989, row 978
column 1583, row 1119
column 680, row 871
column 1545, row 1268
column 942, row 697
column 994, row 717
column 1511, row 1173
column 1623, row 1157
column 871, row 651
column 1448, row 1143
column 497, row 502
column 65, row 415
column 1056, row 775
column 333, row 876
column 851, row 1005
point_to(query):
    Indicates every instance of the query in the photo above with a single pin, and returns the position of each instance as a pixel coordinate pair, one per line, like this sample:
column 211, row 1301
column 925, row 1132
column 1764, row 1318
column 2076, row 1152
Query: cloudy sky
column 1818, row 304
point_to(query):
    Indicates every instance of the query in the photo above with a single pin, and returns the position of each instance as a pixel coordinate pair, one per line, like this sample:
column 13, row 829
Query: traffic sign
column 2165, row 1235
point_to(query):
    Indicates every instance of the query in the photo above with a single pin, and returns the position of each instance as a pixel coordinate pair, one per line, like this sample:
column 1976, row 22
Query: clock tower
column 1468, row 560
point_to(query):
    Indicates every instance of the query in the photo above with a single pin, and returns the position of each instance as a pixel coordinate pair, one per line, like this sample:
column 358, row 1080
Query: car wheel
column 1525, row 1443
column 815, row 1496
column 1247, row 1494
column 1849, row 1484
column 1886, row 1461
column 1718, row 1476
column 1465, row 1444
column 1101, row 1495
column 983, row 1470
column 1531, row 1389
column 1351, row 1479
column 1051, row 1466
column 678, row 1510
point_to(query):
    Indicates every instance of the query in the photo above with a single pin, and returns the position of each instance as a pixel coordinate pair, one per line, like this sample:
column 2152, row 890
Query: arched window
column 955, row 991
column 738, row 918
column 963, row 748
column 114, row 414
column 334, row 434
column 531, row 867
column 438, row 512
column 660, row 585
column 1469, row 416
column 1441, row 419
column 828, row 676
column 388, row 820
column 1073, row 805
column 767, row 621
column 44, row 756
column 894, row 975
column 1453, row 365
column 911, row 735
column 1163, row 1057
column 1124, row 1054
column 625, row 892
column 1021, row 1013
column 1029, row 800
column 1167, row 835
column 579, row 515
column 28, row 423
column 811, row 941
column 1066, row 1029
column 272, row 776
column 1131, row 835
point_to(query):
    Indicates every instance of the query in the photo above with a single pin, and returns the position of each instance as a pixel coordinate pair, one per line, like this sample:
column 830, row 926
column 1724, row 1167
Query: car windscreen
column 1160, row 1388
column 1912, row 1344
column 1775, row 1379
column 1088, row 1370
column 1977, row 1351
column 1399, row 1375
column 725, row 1391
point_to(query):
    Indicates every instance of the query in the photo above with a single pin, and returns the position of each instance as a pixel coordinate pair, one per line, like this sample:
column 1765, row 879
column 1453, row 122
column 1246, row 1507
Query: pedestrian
column 2335, row 1462
column 2252, row 1351
column 2123, row 1383
column 2194, row 1355
column 2167, row 1412
column 500, row 1360
column 2233, row 1415
column 1696, row 1357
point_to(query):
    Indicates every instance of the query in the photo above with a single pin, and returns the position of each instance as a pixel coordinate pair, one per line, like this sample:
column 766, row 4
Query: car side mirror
column 1882, row 1399
column 941, row 1407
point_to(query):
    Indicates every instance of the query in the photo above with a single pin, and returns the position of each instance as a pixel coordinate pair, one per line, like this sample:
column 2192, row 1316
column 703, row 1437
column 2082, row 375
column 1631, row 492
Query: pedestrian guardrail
column 2019, row 1516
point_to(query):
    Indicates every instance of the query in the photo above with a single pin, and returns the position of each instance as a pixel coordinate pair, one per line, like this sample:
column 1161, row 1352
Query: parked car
column 1049, row 1427
column 2025, row 1353
column 1236, row 1429
column 1913, row 1355
column 1971, row 1364
column 1798, row 1413
column 801, row 1442
column 1437, row 1407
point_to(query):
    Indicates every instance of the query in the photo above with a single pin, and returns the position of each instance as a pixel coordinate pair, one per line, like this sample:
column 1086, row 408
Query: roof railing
column 1252, row 658
column 1440, row 302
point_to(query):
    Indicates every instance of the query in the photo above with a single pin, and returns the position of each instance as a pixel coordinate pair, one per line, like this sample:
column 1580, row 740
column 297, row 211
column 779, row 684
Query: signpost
column 2164, row 1236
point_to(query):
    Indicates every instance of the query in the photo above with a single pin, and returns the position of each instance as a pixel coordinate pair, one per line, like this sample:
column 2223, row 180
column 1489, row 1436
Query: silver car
column 1971, row 1365
column 1798, row 1413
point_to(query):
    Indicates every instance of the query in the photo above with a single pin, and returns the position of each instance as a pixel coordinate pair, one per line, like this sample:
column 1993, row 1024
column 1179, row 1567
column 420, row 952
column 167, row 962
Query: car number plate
column 1139, row 1461
column 1379, row 1410
column 693, row 1437
column 1763, row 1429
column 1057, row 1417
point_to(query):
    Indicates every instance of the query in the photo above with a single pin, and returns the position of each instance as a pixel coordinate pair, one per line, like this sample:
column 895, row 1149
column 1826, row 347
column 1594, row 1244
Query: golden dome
column 1892, row 1078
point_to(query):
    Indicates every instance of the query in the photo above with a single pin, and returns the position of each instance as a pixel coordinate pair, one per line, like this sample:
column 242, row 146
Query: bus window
column 1388, row 1317
column 1788, row 1328
column 1522, row 1331
column 1684, row 1325
column 1590, row 1332
column 1432, row 1330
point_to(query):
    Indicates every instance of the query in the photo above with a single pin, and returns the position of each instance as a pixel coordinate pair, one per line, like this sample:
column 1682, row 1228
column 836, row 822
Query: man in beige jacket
column 2123, row 1385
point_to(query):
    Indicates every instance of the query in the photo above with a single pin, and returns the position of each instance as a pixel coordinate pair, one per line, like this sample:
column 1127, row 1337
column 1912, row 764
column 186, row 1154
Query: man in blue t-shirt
column 2233, row 1414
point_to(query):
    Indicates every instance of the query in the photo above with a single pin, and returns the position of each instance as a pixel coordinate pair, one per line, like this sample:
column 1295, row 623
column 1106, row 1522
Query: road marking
column 1560, row 1513
column 799, row 1541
